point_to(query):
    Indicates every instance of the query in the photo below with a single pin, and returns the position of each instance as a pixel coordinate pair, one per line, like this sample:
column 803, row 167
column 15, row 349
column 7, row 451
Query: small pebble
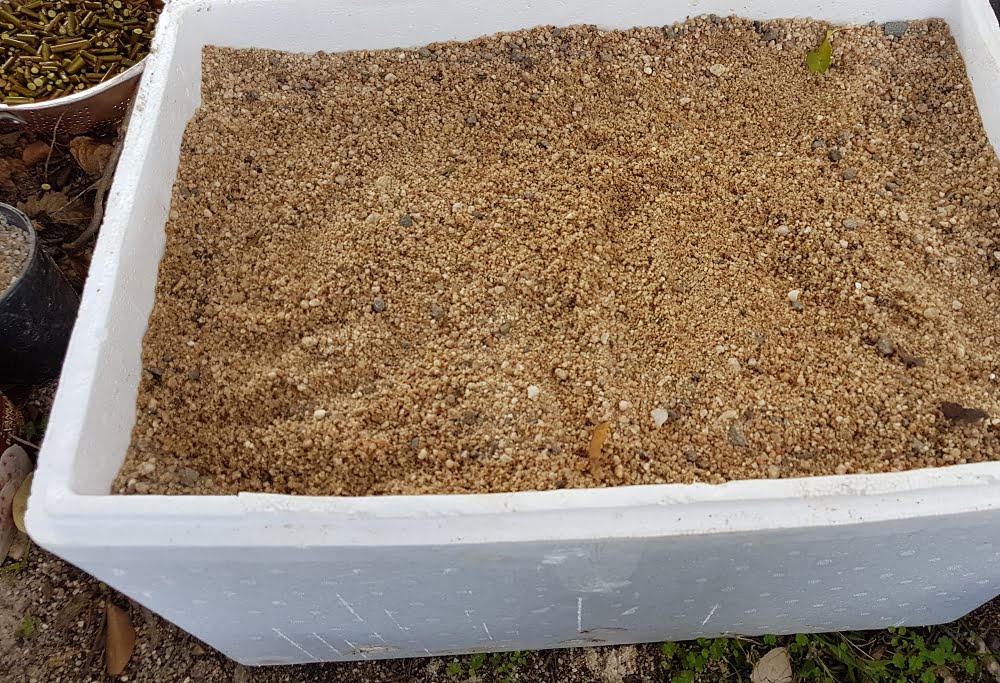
column 717, row 69
column 885, row 346
column 736, row 436
column 891, row 186
column 188, row 476
column 849, row 173
column 896, row 29
column 437, row 311
column 505, row 328
column 562, row 374
column 794, row 295
column 624, row 405
column 660, row 416
column 782, row 231
column 835, row 154
column 406, row 221
column 850, row 224
column 956, row 305
column 378, row 305
column 734, row 365
column 817, row 143
column 533, row 392
column 798, row 306
column 932, row 312
column 319, row 414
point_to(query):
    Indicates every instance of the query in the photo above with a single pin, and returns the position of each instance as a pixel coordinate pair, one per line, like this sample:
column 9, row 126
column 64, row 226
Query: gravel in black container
column 37, row 308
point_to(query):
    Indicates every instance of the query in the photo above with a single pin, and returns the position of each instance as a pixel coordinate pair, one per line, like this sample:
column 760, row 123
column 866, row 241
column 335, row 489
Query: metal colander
column 80, row 112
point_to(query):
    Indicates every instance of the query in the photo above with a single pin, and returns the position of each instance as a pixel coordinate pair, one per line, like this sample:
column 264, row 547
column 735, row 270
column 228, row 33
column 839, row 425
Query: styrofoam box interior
column 271, row 579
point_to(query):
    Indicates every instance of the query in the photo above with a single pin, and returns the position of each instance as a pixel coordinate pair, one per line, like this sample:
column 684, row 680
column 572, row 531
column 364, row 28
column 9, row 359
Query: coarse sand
column 438, row 270
column 15, row 248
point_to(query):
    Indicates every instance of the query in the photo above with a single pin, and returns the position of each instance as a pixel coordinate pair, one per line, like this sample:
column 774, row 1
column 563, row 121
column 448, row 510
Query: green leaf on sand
column 818, row 60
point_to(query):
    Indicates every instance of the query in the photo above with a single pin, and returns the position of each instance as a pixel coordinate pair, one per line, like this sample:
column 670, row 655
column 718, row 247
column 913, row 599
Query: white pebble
column 794, row 295
column 533, row 392
column 956, row 305
column 624, row 405
column 782, row 231
column 931, row 312
column 734, row 364
column 319, row 414
column 660, row 416
column 717, row 69
column 685, row 101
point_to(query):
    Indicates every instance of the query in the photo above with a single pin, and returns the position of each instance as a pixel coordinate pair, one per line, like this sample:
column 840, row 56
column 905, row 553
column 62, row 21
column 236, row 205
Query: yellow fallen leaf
column 21, row 502
column 774, row 667
column 57, row 206
column 120, row 642
column 597, row 439
column 91, row 155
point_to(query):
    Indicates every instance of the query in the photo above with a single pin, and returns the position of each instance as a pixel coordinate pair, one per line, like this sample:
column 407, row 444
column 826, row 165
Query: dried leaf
column 152, row 629
column 19, row 547
column 120, row 641
column 818, row 60
column 909, row 360
column 35, row 152
column 68, row 614
column 20, row 505
column 57, row 207
column 774, row 667
column 597, row 439
column 9, row 168
column 15, row 465
column 7, row 528
column 959, row 414
column 91, row 155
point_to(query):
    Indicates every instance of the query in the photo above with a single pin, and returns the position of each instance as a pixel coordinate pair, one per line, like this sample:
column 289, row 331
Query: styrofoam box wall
column 272, row 579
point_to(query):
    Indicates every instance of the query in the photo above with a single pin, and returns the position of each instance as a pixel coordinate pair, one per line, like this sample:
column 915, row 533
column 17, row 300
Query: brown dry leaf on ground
column 35, row 152
column 774, row 667
column 120, row 641
column 9, row 169
column 91, row 155
column 21, row 502
column 959, row 414
column 597, row 440
column 57, row 207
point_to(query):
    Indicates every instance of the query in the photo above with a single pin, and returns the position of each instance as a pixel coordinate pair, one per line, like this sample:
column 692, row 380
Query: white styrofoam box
column 271, row 579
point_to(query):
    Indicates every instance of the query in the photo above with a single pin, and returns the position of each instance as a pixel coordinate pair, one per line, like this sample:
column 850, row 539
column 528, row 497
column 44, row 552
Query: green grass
column 498, row 667
column 898, row 655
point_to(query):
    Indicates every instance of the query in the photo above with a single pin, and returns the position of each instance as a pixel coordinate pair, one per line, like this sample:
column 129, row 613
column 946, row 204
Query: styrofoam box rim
column 65, row 512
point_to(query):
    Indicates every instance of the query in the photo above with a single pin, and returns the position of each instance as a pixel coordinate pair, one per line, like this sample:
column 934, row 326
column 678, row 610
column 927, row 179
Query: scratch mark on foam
column 350, row 609
column 379, row 638
column 296, row 645
column 354, row 647
column 710, row 613
column 487, row 631
column 320, row 639
column 428, row 652
column 630, row 610
column 579, row 615
column 393, row 620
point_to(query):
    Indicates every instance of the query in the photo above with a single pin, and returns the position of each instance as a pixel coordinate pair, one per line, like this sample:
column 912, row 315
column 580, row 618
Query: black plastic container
column 37, row 313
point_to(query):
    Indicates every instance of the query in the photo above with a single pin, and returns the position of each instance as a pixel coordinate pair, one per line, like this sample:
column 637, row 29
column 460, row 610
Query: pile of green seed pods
column 52, row 48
